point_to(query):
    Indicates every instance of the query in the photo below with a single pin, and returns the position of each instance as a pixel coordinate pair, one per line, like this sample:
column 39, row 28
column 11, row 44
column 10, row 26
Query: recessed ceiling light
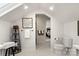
column 25, row 7
column 51, row 7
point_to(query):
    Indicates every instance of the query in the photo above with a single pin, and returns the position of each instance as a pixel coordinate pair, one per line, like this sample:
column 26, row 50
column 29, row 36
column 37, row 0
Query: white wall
column 27, row 44
column 5, row 28
column 48, row 24
column 57, row 30
column 70, row 30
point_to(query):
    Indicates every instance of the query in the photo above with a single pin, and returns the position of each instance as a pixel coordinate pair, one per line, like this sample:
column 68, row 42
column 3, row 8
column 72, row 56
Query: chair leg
column 77, row 52
column 12, row 51
column 6, row 52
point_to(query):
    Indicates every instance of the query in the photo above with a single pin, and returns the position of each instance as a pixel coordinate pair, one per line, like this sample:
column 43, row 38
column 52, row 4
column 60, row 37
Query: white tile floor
column 37, row 52
column 41, row 51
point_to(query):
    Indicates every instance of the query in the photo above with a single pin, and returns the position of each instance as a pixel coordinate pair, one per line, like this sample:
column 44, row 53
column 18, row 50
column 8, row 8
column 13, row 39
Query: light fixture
column 25, row 7
column 51, row 8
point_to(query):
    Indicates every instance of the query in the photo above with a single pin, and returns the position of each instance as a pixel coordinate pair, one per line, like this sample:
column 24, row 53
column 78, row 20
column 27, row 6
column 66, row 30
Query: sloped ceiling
column 7, row 7
column 63, row 12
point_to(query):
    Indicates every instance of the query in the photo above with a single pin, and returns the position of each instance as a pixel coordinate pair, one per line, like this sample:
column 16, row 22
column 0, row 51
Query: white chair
column 68, row 43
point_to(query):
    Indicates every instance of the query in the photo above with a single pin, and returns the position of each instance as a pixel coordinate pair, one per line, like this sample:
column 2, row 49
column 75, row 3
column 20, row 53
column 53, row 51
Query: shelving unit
column 16, row 38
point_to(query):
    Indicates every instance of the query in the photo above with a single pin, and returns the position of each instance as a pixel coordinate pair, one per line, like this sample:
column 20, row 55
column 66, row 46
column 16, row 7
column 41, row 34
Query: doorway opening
column 43, row 29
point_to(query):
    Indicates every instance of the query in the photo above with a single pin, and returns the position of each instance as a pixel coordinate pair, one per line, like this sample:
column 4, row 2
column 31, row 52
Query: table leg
column 77, row 52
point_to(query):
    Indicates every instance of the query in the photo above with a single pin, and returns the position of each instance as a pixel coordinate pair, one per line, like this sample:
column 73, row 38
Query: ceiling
column 7, row 7
column 63, row 12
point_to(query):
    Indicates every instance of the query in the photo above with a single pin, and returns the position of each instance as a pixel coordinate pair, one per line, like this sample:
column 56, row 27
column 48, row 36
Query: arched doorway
column 43, row 29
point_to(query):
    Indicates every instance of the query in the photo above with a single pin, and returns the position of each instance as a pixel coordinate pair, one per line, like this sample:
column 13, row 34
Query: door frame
column 36, row 28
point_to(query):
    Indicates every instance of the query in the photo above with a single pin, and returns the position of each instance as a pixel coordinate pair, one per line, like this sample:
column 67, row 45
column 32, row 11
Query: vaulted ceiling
column 63, row 12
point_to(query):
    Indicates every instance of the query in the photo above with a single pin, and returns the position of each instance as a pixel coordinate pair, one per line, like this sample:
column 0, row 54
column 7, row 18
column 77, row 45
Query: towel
column 27, row 33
